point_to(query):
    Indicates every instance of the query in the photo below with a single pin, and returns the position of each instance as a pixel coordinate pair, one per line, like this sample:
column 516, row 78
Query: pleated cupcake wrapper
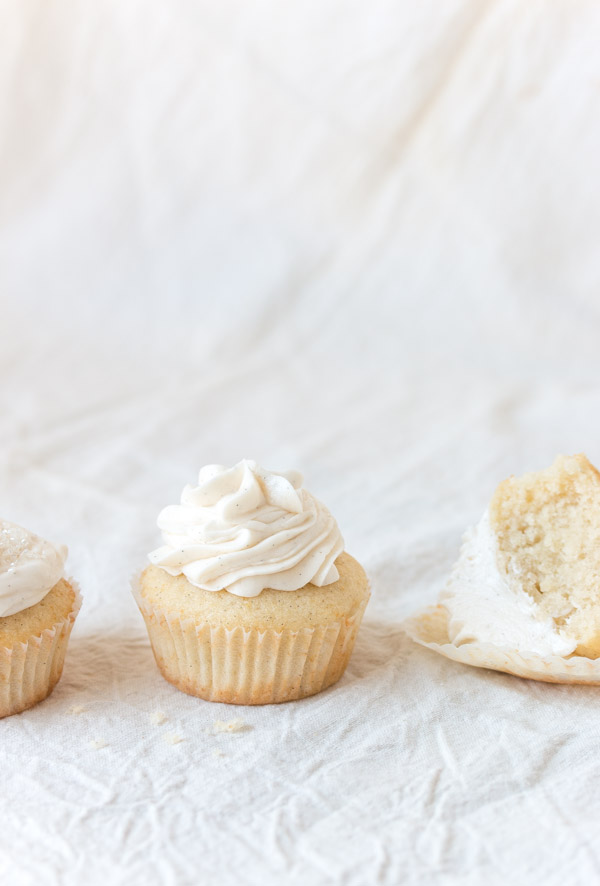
column 248, row 666
column 430, row 628
column 30, row 671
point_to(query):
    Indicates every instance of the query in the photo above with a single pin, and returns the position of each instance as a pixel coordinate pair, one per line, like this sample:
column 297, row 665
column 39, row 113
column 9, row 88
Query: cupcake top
column 29, row 568
column 527, row 577
column 244, row 529
column 487, row 604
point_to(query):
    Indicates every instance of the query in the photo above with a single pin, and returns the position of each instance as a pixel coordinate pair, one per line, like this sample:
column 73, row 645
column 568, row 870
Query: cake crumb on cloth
column 230, row 726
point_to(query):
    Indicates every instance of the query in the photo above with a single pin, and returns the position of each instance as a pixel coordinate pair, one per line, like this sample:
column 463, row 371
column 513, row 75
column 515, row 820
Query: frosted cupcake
column 38, row 607
column 524, row 595
column 252, row 599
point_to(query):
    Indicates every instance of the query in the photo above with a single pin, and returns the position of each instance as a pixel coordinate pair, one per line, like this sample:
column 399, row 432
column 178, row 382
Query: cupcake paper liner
column 247, row 666
column 430, row 628
column 30, row 671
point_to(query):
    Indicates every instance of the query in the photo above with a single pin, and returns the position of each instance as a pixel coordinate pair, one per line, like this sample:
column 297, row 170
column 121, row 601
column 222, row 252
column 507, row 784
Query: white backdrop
column 360, row 240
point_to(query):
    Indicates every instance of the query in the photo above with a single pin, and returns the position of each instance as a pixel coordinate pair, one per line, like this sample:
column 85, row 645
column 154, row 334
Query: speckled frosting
column 29, row 567
column 244, row 529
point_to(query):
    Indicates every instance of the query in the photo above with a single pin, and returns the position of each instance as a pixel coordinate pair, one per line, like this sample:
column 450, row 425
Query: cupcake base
column 281, row 646
column 249, row 667
column 30, row 668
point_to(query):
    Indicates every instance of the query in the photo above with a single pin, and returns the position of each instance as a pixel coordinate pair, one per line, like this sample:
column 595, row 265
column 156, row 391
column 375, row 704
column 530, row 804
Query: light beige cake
column 33, row 621
column 548, row 529
column 252, row 599
column 524, row 596
column 38, row 607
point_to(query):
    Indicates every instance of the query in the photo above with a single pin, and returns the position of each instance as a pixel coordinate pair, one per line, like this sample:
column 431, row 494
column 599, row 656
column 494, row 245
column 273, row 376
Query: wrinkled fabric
column 359, row 243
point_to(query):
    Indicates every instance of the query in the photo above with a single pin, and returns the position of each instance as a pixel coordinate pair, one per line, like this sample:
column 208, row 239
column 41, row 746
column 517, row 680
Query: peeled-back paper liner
column 430, row 628
column 30, row 671
column 240, row 666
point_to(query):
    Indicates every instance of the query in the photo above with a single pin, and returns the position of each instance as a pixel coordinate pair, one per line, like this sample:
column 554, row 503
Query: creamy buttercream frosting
column 29, row 567
column 487, row 604
column 244, row 529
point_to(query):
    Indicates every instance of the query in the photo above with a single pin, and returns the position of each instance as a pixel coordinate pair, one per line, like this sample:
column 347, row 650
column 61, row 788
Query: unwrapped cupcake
column 524, row 595
column 38, row 607
column 252, row 599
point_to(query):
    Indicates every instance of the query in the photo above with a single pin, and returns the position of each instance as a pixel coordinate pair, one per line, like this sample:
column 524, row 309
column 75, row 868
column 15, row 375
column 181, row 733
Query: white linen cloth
column 358, row 240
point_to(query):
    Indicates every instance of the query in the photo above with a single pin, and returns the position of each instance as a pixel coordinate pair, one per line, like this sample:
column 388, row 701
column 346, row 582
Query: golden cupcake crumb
column 54, row 607
column 307, row 607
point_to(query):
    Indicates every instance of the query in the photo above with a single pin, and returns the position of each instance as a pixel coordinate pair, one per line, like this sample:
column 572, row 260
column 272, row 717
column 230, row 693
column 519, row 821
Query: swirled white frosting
column 29, row 568
column 488, row 605
column 244, row 529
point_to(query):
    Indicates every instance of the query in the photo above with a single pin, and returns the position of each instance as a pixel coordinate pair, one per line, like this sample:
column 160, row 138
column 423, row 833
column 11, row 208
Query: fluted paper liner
column 30, row 671
column 248, row 666
column 430, row 628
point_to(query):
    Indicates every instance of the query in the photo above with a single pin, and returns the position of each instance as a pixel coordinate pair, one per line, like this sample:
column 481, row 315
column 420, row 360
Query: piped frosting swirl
column 244, row 529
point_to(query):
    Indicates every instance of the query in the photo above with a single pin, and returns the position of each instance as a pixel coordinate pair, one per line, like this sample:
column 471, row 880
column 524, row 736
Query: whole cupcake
column 38, row 607
column 252, row 599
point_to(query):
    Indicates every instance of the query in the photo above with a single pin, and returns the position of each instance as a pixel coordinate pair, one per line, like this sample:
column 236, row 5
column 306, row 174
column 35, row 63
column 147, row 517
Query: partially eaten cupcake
column 251, row 599
column 38, row 607
column 524, row 596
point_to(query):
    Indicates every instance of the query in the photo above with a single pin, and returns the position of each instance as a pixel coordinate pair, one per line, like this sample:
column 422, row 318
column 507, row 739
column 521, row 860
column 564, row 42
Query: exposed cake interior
column 547, row 526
